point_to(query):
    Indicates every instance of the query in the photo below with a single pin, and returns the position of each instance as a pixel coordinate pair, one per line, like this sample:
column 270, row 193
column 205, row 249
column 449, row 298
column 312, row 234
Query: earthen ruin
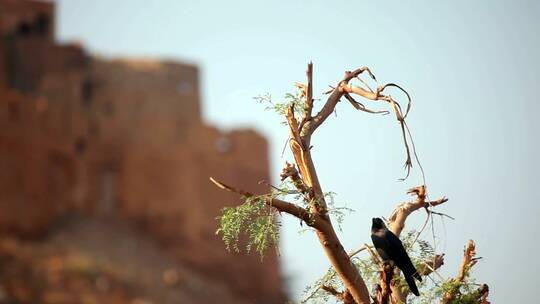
column 115, row 149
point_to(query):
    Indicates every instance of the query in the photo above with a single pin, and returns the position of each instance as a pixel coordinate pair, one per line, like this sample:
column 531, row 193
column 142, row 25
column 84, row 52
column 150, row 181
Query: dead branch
column 483, row 290
column 344, row 296
column 308, row 92
column 307, row 181
column 289, row 171
column 299, row 139
column 431, row 265
column 334, row 98
column 469, row 260
column 386, row 271
column 388, row 292
column 396, row 223
column 397, row 219
column 344, row 89
column 382, row 295
column 351, row 255
column 373, row 255
column 299, row 142
column 361, row 107
column 384, row 288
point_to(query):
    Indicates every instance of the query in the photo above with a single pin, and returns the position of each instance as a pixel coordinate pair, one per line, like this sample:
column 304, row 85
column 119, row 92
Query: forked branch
column 334, row 98
column 398, row 217
column 280, row 205
column 345, row 89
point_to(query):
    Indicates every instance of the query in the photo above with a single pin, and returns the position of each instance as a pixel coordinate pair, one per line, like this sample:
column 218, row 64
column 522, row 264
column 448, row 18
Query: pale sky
column 471, row 67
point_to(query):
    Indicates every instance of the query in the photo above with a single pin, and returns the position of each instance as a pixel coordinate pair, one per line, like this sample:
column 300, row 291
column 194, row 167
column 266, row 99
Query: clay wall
column 121, row 139
column 26, row 17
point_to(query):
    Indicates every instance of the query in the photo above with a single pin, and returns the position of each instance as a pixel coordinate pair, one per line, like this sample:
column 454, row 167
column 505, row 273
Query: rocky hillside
column 99, row 261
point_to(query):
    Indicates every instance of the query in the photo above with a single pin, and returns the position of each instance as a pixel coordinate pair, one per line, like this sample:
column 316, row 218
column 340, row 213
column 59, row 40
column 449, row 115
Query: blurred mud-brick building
column 104, row 168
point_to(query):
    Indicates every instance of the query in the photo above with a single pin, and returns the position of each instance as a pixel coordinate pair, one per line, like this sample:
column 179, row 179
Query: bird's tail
column 417, row 276
column 412, row 285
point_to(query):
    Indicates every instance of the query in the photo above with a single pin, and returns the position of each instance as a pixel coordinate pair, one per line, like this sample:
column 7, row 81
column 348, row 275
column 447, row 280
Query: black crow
column 389, row 247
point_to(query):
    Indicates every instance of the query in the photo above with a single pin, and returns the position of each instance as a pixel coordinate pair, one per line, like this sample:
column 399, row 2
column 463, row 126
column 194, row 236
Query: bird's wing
column 382, row 246
column 400, row 256
column 412, row 285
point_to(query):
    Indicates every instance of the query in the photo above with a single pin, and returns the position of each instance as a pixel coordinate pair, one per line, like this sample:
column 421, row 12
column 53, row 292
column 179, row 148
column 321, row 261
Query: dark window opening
column 42, row 24
column 80, row 145
column 87, row 92
column 24, row 29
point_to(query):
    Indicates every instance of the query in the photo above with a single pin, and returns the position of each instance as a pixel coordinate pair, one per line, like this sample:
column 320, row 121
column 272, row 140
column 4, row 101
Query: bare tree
column 257, row 214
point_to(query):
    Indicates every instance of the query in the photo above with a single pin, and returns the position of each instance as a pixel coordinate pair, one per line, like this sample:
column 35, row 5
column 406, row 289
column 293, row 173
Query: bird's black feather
column 389, row 247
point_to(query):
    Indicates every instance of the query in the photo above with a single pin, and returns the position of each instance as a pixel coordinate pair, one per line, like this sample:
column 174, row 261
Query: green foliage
column 287, row 191
column 281, row 107
column 334, row 210
column 263, row 233
column 431, row 290
column 253, row 218
column 314, row 294
column 466, row 292
column 258, row 222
